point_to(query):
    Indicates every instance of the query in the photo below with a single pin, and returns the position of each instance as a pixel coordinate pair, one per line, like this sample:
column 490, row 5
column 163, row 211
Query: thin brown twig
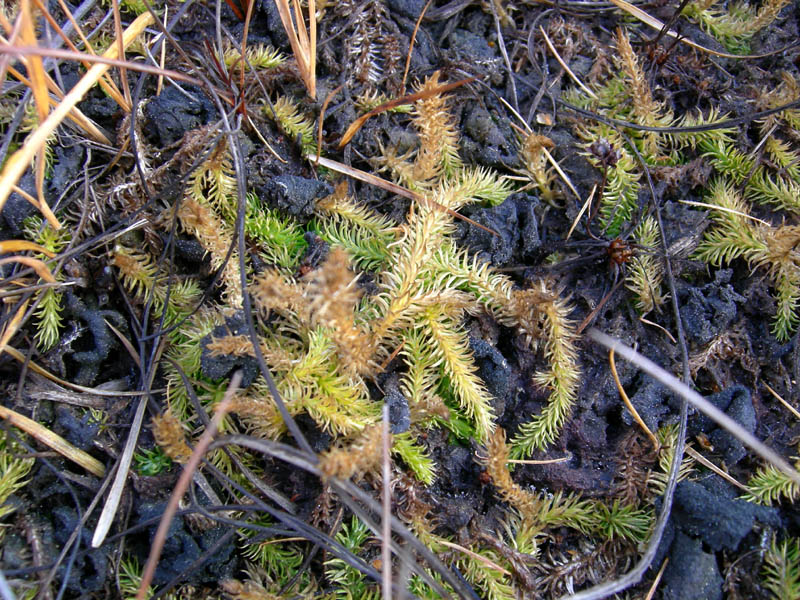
column 123, row 73
column 107, row 59
column 407, row 99
column 628, row 402
column 411, row 43
column 651, row 592
column 183, row 484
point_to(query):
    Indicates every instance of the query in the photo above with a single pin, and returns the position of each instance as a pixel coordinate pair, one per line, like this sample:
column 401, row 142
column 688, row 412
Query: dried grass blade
column 628, row 404
column 13, row 34
column 33, row 366
column 34, row 263
column 312, row 50
column 474, row 555
column 38, row 80
column 123, row 464
column 302, row 46
column 9, row 246
column 12, row 326
column 108, row 58
column 565, row 66
column 107, row 84
column 18, row 162
column 54, row 441
column 75, row 115
column 35, row 64
column 123, row 73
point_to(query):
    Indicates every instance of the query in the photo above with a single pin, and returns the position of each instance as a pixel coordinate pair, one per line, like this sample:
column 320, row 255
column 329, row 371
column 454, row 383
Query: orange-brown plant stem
column 183, row 484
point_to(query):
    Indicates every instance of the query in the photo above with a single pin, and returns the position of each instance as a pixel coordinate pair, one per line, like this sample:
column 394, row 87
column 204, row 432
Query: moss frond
column 414, row 456
column 352, row 584
column 492, row 584
column 272, row 290
column 214, row 183
column 186, row 350
column 708, row 139
column 49, row 318
column 216, row 238
column 419, row 381
column 523, row 535
column 451, row 348
column 624, row 521
column 728, row 160
column 781, row 571
column 667, row 437
column 265, row 583
column 369, row 100
column 735, row 235
column 355, row 459
column 621, row 194
column 13, row 471
column 784, row 156
column 259, row 56
column 277, row 560
column 136, row 269
column 293, row 124
column 130, row 577
column 364, row 234
column 778, row 191
column 281, row 242
column 37, row 230
column 538, row 510
column 535, row 165
column 420, row 589
column 736, row 26
column 151, row 462
column 482, row 184
column 760, row 245
column 770, row 486
column 645, row 273
column 646, row 110
column 333, row 295
column 338, row 403
column 784, row 93
column 562, row 378
column 438, row 152
column 787, row 297
column 168, row 433
column 458, row 269
column 140, row 278
column 419, row 238
column 49, row 312
column 369, row 251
